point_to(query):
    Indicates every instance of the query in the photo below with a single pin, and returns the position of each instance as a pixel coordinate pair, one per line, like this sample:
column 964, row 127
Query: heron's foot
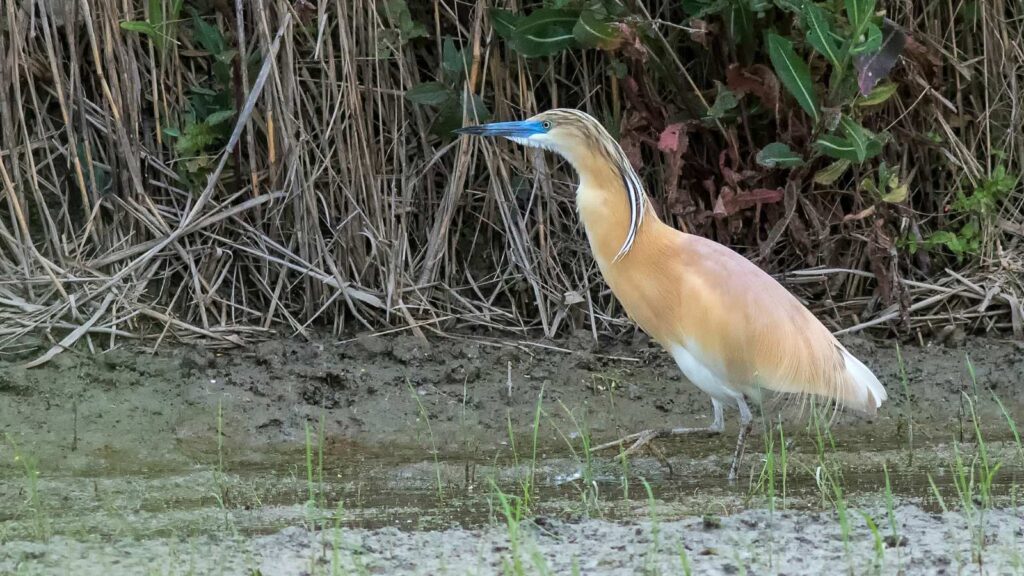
column 640, row 439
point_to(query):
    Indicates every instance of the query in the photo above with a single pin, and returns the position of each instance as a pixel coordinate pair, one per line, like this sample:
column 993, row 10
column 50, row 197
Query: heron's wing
column 745, row 325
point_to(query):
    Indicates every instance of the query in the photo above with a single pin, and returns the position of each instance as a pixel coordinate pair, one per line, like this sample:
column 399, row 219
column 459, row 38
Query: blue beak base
column 520, row 129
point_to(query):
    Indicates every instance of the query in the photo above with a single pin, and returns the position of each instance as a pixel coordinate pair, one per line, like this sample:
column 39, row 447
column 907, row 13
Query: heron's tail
column 864, row 392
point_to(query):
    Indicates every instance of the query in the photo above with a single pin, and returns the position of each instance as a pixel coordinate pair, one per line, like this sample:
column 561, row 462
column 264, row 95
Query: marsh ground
column 467, row 456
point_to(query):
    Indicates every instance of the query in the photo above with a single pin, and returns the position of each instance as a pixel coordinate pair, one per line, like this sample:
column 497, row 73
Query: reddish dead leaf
column 734, row 178
column 730, row 202
column 758, row 80
column 674, row 142
column 869, row 211
column 673, row 139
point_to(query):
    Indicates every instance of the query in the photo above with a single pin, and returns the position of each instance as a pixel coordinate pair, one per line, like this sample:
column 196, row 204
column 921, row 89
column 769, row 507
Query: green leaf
column 725, row 100
column 141, row 27
column 455, row 60
column 856, row 135
column 208, row 36
column 819, row 33
column 545, row 32
column 793, row 72
column 401, row 18
column 778, row 155
column 196, row 139
column 878, row 95
column 156, row 13
column 450, row 116
column 504, row 22
column 203, row 91
column 220, row 116
column 836, row 147
column 872, row 42
column 795, row 6
column 593, row 32
column 739, row 23
column 859, row 13
column 430, row 94
column 702, row 8
column 896, row 194
column 828, row 175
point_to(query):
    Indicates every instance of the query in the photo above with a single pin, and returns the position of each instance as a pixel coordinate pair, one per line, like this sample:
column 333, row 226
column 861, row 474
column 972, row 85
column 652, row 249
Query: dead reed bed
column 214, row 171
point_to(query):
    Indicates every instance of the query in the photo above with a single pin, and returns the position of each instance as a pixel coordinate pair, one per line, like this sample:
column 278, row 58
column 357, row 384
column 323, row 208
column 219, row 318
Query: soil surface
column 466, row 455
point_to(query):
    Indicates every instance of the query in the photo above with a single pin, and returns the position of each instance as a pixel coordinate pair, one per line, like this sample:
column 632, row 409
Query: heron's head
column 570, row 133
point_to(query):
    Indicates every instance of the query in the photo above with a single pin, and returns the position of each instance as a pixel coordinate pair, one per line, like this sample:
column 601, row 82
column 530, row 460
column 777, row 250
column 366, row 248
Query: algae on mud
column 123, row 459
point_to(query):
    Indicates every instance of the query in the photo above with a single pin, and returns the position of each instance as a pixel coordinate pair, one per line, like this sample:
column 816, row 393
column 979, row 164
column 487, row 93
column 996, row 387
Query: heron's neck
column 603, row 204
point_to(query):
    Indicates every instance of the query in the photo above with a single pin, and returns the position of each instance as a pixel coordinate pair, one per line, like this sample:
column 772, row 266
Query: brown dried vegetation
column 320, row 196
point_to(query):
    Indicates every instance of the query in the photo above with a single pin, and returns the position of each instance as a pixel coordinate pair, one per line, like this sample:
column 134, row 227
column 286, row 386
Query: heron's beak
column 521, row 129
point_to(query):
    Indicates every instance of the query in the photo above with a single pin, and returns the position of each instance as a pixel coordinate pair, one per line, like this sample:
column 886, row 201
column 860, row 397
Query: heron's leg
column 641, row 439
column 746, row 423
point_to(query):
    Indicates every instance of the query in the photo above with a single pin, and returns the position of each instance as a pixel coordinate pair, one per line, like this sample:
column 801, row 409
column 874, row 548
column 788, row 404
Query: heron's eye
column 546, row 124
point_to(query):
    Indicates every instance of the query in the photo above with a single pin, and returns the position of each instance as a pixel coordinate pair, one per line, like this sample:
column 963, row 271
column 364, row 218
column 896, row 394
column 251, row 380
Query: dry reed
column 331, row 204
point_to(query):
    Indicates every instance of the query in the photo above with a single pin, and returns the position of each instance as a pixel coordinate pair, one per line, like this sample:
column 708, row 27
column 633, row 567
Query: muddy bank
column 127, row 410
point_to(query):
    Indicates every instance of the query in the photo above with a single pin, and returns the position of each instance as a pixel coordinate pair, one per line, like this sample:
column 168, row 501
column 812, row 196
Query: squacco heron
column 731, row 328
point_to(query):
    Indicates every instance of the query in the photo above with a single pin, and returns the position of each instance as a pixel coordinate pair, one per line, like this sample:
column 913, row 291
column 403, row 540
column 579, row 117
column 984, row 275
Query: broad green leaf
column 856, row 135
column 455, row 60
column 504, row 22
column 226, row 56
column 795, row 6
column 220, row 116
column 208, row 36
column 836, row 147
column 739, row 23
column 545, row 32
column 196, row 139
column 819, row 33
column 778, row 155
column 896, row 194
column 141, row 27
column 725, row 100
column 593, row 32
column 702, row 8
column 156, row 13
column 828, row 175
column 794, row 74
column 450, row 116
column 874, row 147
column 401, row 18
column 880, row 94
column 859, row 13
column 203, row 90
column 430, row 94
column 868, row 185
column 871, row 43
